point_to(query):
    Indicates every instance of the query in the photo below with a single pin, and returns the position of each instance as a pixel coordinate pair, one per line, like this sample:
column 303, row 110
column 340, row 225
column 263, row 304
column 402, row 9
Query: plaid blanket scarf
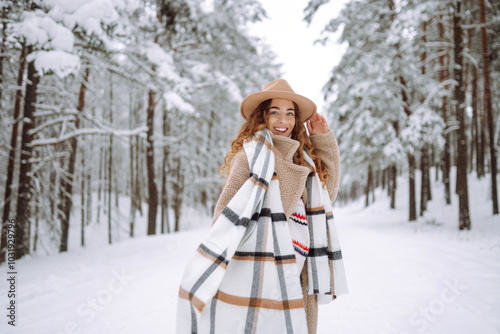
column 243, row 277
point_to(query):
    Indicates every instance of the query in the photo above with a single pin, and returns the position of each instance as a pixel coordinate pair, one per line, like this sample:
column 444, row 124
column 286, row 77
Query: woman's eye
column 290, row 114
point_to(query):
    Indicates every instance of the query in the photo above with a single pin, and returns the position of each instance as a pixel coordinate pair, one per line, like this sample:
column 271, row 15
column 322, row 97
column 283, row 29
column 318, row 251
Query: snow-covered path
column 423, row 277
column 416, row 279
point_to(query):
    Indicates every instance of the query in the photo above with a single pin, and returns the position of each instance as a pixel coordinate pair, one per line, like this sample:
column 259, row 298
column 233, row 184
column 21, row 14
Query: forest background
column 113, row 101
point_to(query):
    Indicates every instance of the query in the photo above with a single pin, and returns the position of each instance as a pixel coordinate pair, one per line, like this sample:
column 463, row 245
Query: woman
column 272, row 253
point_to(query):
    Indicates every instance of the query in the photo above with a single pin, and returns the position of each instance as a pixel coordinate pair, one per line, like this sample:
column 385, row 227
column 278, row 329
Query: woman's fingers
column 317, row 125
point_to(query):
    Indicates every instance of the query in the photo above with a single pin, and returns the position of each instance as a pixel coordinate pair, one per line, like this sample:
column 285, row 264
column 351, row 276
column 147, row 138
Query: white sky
column 306, row 66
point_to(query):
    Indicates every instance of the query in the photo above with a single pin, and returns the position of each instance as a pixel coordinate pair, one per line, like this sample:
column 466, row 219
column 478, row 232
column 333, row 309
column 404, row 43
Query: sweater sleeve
column 325, row 146
column 239, row 172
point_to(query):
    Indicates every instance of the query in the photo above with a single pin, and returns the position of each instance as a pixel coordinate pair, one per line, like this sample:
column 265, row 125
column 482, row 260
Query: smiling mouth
column 281, row 130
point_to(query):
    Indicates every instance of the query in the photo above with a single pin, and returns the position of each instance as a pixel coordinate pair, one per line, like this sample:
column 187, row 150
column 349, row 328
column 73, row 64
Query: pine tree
column 488, row 106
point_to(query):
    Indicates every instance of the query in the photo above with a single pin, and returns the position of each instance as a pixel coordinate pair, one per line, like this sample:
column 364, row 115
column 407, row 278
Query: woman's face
column 281, row 117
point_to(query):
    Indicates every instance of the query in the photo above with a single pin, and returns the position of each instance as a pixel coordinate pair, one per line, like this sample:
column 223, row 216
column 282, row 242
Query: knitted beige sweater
column 292, row 180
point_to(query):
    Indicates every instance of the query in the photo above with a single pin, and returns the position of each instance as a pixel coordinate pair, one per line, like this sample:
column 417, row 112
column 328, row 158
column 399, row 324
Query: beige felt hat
column 278, row 89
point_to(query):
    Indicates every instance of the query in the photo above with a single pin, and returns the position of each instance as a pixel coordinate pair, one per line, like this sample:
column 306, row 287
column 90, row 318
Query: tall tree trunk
column 24, row 193
column 459, row 95
column 132, row 172
column 436, row 163
column 35, row 236
column 67, row 182
column 132, row 189
column 424, row 161
column 152, row 190
column 164, row 208
column 138, row 175
column 443, row 76
column 394, row 186
column 470, row 32
column 428, row 177
column 88, row 171
column 411, row 157
column 3, row 50
column 110, row 167
column 374, row 186
column 100, row 184
column 178, row 194
column 473, row 129
column 384, row 172
column 424, row 165
column 105, row 161
column 164, row 187
column 369, row 182
column 139, row 161
column 393, row 175
column 412, row 214
column 475, row 124
column 110, row 190
column 489, row 107
column 12, row 155
column 82, row 200
column 117, row 194
column 53, row 189
column 213, row 132
column 389, row 180
column 482, row 141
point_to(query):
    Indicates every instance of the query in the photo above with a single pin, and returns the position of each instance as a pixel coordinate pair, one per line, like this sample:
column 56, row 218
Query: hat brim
column 251, row 102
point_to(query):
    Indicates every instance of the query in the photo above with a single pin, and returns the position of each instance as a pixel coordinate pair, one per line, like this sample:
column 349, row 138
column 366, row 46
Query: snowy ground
column 423, row 277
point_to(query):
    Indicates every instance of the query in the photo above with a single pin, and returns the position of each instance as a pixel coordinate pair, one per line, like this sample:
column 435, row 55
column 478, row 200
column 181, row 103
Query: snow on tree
column 391, row 77
column 121, row 81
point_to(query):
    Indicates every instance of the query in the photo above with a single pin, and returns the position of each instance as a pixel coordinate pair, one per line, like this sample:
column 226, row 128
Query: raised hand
column 317, row 125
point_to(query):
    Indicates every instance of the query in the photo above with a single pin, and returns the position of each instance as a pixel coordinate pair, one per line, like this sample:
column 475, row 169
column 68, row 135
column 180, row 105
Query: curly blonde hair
column 257, row 121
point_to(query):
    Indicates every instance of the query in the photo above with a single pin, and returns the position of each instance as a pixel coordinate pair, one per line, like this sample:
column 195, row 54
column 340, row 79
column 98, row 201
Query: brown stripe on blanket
column 253, row 256
column 319, row 210
column 286, row 259
column 330, row 261
column 216, row 259
column 260, row 256
column 258, row 182
column 265, row 142
column 256, row 291
column 184, row 294
column 261, row 139
column 259, row 302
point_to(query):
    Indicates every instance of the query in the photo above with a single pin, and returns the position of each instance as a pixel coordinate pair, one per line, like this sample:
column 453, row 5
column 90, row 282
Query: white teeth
column 281, row 129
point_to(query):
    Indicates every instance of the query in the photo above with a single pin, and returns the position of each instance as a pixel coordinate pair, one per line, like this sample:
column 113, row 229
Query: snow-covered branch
column 51, row 110
column 438, row 44
column 50, row 123
column 85, row 132
column 164, row 141
column 42, row 161
column 441, row 86
column 451, row 126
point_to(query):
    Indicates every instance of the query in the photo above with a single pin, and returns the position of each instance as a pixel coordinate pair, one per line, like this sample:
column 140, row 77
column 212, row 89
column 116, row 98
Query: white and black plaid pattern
column 326, row 268
column 243, row 277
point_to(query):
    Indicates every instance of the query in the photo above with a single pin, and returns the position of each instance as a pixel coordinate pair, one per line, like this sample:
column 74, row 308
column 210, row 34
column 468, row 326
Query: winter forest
column 117, row 114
